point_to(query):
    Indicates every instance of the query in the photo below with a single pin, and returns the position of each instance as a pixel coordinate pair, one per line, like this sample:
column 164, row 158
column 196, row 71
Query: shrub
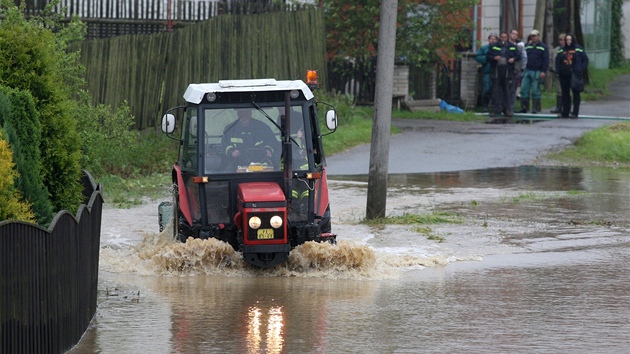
column 23, row 130
column 107, row 139
column 33, row 59
column 10, row 206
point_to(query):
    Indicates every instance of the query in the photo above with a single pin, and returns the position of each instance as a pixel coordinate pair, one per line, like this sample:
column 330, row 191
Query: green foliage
column 352, row 27
column 355, row 122
column 21, row 122
column 617, row 57
column 128, row 192
column 427, row 30
column 430, row 30
column 441, row 115
column 11, row 208
column 104, row 132
column 33, row 59
column 436, row 217
column 609, row 144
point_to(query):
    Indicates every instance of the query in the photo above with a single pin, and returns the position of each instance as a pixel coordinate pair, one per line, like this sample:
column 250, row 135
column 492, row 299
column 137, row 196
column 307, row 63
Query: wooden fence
column 151, row 72
column 49, row 278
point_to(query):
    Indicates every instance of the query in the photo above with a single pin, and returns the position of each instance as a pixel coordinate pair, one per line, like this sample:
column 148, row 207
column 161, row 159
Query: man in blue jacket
column 535, row 72
column 485, row 69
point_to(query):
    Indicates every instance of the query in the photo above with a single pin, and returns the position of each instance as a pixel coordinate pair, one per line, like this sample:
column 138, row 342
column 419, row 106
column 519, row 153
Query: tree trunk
column 549, row 40
column 381, row 125
column 539, row 18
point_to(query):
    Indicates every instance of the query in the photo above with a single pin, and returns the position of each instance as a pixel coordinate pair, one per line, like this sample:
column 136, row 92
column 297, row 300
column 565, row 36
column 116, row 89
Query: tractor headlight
column 254, row 222
column 275, row 221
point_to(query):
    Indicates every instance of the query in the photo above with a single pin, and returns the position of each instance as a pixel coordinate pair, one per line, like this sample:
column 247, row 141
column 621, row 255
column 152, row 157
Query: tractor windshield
column 239, row 140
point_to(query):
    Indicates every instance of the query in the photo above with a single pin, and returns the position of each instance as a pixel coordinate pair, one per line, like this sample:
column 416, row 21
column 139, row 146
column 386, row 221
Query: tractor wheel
column 178, row 218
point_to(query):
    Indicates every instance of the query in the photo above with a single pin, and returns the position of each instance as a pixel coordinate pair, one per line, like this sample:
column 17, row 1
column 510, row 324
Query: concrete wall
column 468, row 84
column 401, row 81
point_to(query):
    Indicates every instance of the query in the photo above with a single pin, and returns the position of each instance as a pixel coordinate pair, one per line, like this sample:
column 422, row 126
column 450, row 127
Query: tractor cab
column 251, row 169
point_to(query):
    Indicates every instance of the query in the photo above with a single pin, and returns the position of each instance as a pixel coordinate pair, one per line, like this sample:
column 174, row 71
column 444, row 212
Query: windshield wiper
column 274, row 122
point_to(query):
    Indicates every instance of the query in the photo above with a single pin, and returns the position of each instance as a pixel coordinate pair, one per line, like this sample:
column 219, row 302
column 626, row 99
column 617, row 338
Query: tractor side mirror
column 168, row 123
column 331, row 120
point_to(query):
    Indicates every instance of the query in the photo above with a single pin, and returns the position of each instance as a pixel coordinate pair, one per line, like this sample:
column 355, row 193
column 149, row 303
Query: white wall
column 490, row 19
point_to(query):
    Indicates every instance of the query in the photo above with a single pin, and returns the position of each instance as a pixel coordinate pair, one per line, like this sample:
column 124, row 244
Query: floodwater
column 536, row 262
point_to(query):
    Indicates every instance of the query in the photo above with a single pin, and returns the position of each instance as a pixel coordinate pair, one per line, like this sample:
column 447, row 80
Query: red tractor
column 251, row 169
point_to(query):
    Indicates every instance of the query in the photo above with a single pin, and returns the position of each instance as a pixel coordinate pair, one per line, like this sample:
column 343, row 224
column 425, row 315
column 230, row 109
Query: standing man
column 486, row 93
column 502, row 56
column 535, row 72
column 518, row 67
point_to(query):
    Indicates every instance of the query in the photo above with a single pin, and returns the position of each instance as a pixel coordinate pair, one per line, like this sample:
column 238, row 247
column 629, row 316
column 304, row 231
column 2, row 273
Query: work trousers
column 501, row 90
column 531, row 81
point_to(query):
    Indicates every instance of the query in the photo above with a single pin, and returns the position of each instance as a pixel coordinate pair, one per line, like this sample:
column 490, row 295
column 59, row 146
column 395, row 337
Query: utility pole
column 381, row 124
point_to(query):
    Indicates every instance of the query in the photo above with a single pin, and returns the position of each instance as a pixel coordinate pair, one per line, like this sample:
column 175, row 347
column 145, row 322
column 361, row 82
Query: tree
column 20, row 120
column 33, row 59
column 427, row 30
column 617, row 58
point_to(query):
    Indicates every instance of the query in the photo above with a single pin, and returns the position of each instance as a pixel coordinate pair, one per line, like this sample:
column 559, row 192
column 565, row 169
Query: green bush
column 33, row 59
column 105, row 131
column 23, row 130
column 107, row 139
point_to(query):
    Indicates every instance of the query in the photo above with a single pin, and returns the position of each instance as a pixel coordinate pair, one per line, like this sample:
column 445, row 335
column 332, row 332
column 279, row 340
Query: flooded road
column 536, row 262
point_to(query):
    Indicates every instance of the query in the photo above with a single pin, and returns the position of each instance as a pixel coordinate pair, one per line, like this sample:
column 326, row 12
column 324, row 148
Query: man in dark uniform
column 502, row 56
column 247, row 140
column 486, row 71
column 535, row 71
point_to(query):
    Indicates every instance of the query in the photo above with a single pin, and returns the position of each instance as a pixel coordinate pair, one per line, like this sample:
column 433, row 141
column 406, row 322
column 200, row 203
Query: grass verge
column 418, row 222
column 605, row 146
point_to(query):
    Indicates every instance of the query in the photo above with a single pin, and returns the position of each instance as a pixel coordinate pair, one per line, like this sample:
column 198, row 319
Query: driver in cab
column 247, row 140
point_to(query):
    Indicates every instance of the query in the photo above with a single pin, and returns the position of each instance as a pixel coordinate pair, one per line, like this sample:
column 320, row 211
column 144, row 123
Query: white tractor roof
column 195, row 92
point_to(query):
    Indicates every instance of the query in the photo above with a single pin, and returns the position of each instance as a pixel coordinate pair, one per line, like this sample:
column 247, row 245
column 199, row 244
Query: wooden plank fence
column 151, row 72
column 49, row 278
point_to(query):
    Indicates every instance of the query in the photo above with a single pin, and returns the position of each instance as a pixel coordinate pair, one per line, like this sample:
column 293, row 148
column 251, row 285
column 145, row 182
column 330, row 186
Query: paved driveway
column 440, row 146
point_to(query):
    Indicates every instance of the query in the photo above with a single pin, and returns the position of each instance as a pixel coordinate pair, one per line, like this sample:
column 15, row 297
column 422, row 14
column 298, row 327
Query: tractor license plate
column 265, row 234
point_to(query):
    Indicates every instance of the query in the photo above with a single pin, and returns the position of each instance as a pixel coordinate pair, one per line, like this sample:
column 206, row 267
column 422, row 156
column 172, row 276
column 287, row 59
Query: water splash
column 344, row 256
column 161, row 254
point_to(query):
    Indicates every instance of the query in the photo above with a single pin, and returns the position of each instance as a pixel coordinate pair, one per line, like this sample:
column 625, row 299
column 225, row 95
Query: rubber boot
column 485, row 102
column 524, row 105
column 536, row 106
column 558, row 108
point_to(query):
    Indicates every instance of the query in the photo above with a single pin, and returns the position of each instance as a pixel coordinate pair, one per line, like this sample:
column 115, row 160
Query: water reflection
column 553, row 248
column 523, row 177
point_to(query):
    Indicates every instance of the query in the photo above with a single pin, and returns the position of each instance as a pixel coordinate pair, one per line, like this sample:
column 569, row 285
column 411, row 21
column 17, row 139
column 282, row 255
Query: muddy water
column 538, row 262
